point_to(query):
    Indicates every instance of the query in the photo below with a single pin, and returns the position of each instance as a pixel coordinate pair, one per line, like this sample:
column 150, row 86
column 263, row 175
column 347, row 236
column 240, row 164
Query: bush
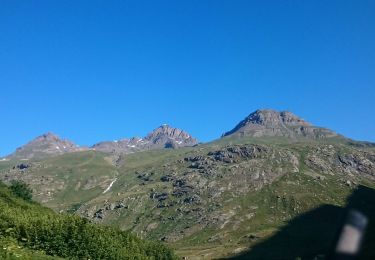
column 39, row 230
column 22, row 190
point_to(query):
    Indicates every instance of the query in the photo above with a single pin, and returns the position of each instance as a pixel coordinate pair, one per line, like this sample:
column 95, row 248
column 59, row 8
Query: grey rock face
column 171, row 136
column 162, row 137
column 274, row 123
column 45, row 145
column 334, row 159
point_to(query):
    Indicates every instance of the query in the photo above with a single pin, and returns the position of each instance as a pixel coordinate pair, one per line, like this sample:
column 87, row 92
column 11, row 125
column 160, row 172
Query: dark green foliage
column 21, row 189
column 74, row 208
column 69, row 236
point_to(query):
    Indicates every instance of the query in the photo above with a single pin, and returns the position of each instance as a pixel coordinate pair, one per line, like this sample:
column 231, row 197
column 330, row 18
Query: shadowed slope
column 312, row 234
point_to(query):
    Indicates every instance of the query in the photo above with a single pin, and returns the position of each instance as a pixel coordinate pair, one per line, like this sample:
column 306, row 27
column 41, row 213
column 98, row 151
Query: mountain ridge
column 260, row 123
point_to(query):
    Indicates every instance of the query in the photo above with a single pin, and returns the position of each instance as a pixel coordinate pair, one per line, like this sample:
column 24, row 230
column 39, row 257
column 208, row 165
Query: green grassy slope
column 206, row 206
column 30, row 231
column 64, row 181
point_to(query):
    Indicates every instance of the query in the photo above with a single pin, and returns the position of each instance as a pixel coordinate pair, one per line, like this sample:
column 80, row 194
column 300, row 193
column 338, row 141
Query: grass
column 30, row 231
column 241, row 221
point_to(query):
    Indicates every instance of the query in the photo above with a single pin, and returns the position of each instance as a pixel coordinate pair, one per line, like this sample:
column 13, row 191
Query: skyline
column 91, row 71
column 129, row 137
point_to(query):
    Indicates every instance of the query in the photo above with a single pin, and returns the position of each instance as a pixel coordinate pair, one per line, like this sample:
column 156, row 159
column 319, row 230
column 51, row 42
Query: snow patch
column 58, row 148
column 110, row 186
column 131, row 146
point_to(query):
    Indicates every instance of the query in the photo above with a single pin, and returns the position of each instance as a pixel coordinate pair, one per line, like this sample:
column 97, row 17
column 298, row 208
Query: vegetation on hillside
column 30, row 231
column 21, row 189
column 234, row 196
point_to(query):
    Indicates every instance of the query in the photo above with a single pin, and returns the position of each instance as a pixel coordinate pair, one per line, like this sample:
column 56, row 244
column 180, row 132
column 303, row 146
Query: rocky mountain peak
column 170, row 137
column 44, row 145
column 164, row 136
column 268, row 122
column 50, row 137
column 271, row 118
column 168, row 132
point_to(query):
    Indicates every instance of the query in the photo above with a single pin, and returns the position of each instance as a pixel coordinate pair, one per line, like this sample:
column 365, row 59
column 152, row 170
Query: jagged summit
column 164, row 132
column 268, row 122
column 44, row 145
column 164, row 136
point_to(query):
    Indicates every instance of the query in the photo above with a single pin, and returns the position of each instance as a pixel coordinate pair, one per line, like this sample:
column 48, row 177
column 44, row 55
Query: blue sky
column 102, row 70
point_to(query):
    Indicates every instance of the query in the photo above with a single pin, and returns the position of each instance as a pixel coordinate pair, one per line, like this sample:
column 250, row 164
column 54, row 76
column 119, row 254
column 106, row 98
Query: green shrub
column 22, row 190
column 65, row 235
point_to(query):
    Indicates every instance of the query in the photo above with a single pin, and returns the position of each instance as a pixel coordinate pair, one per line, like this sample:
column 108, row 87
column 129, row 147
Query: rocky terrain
column 274, row 123
column 161, row 137
column 212, row 200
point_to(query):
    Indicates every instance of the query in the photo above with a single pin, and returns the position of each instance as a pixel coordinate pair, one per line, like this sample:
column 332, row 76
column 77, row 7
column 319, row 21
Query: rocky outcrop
column 22, row 166
column 274, row 123
column 104, row 210
column 244, row 152
column 333, row 159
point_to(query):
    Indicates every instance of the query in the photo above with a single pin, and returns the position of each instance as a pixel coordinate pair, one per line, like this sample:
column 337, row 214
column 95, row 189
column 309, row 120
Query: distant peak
column 164, row 129
column 164, row 136
column 47, row 144
column 166, row 133
column 269, row 122
column 273, row 117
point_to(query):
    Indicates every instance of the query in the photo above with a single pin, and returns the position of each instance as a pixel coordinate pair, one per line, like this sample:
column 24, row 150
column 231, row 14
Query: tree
column 21, row 189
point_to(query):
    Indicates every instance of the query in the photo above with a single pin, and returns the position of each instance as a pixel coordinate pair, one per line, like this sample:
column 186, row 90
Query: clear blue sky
column 102, row 70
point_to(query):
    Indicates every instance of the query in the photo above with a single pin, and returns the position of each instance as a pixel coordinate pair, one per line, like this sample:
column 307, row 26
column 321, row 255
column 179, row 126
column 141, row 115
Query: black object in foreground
column 350, row 237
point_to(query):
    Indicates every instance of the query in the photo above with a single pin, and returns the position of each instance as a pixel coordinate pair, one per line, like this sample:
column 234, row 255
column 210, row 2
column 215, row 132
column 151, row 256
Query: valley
column 221, row 199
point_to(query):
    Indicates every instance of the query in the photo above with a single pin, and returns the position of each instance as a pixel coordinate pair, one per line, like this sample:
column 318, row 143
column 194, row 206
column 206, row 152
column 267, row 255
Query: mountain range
column 275, row 185
column 260, row 123
column 50, row 144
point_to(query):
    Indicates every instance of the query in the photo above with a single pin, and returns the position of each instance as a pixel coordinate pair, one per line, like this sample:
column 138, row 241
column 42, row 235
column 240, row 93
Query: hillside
column 30, row 231
column 220, row 199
